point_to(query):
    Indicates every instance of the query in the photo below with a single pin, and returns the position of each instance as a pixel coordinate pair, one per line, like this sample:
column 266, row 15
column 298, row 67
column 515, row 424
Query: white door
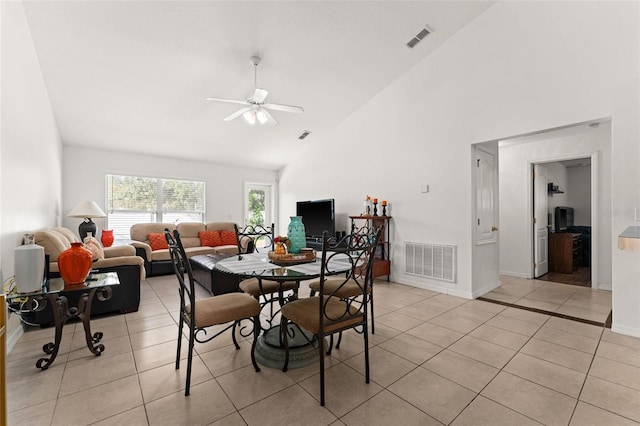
column 540, row 222
column 485, row 198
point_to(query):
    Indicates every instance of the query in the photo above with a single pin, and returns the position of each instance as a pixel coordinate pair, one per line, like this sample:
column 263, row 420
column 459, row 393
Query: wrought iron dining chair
column 338, row 307
column 266, row 291
column 350, row 288
column 198, row 315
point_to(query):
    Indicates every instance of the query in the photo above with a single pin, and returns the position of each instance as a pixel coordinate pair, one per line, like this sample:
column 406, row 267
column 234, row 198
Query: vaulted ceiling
column 133, row 76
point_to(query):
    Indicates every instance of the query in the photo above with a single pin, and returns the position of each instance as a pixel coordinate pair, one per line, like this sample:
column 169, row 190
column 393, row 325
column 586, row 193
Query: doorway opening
column 258, row 207
column 523, row 248
column 562, row 223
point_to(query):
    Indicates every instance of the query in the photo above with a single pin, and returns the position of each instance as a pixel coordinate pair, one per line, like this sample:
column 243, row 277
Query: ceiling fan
column 256, row 110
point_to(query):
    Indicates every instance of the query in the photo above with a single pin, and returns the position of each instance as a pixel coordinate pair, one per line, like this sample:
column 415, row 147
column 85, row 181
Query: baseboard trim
column 486, row 289
column 514, row 274
column 625, row 329
column 15, row 331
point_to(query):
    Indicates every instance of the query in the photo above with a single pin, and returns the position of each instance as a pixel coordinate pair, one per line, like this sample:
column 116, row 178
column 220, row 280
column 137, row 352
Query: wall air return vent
column 435, row 261
column 418, row 38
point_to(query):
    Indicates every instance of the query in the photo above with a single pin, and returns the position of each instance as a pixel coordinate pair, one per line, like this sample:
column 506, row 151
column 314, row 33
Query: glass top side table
column 53, row 293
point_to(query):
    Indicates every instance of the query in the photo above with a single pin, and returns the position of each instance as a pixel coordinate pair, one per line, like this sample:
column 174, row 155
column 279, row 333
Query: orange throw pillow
column 228, row 238
column 210, row 238
column 157, row 241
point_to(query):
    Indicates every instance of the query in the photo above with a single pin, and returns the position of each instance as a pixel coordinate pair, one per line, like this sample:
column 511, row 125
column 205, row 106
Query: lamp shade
column 87, row 209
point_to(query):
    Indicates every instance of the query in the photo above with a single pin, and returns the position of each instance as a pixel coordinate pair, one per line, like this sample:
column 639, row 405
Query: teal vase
column 296, row 234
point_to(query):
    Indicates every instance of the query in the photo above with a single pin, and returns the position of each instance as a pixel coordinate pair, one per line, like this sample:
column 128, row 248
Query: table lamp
column 87, row 210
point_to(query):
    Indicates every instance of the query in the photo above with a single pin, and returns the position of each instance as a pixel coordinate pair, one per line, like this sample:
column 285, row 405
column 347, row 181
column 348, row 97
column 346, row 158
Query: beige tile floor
column 435, row 359
column 564, row 299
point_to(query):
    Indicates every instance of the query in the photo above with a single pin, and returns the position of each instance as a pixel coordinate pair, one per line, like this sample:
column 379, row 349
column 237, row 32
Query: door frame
column 535, row 226
column 595, row 214
column 271, row 208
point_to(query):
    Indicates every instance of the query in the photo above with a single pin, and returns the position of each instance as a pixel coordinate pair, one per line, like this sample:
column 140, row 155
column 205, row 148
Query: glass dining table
column 269, row 348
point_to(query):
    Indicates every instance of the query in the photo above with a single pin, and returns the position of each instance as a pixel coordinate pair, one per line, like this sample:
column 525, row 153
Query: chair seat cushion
column 224, row 308
column 253, row 287
column 349, row 289
column 338, row 315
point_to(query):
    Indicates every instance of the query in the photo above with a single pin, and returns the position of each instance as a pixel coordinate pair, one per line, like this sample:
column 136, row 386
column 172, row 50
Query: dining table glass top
column 258, row 265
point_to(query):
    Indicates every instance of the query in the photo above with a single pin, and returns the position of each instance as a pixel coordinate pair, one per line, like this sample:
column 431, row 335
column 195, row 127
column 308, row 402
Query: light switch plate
column 424, row 188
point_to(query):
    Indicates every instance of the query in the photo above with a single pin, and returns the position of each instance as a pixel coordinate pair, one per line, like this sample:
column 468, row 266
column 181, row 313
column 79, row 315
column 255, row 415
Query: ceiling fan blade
column 230, row 101
column 237, row 114
column 271, row 120
column 285, row 108
column 259, row 95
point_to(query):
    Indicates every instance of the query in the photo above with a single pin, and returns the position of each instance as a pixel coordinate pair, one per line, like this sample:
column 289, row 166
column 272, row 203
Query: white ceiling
column 132, row 75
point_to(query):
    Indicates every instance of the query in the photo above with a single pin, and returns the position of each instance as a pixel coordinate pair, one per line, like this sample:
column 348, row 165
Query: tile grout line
column 523, row 378
column 586, row 376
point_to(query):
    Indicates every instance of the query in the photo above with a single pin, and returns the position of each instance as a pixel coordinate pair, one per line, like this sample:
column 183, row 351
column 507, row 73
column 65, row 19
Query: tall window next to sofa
column 136, row 199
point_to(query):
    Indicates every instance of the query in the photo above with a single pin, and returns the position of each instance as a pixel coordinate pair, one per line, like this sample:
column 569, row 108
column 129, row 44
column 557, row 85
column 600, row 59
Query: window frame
column 160, row 213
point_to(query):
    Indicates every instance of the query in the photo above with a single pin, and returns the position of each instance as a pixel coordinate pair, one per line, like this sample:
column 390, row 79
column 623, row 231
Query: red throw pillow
column 157, row 241
column 228, row 238
column 210, row 238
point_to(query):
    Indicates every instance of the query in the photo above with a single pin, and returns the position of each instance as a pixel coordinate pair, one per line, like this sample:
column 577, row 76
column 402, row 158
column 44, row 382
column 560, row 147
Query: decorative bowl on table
column 283, row 259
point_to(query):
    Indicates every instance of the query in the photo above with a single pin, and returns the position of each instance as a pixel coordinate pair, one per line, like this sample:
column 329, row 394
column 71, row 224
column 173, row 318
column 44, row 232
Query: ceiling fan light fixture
column 250, row 117
column 262, row 116
column 255, row 108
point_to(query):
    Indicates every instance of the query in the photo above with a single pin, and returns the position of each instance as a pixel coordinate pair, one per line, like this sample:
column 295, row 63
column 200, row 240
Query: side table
column 53, row 293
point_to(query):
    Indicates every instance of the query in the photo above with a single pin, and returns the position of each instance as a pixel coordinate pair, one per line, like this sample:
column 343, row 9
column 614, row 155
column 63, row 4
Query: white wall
column 85, row 170
column 520, row 67
column 557, row 173
column 30, row 148
column 515, row 193
column 579, row 194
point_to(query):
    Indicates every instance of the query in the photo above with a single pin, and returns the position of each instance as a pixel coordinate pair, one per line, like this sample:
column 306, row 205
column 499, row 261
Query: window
column 135, row 199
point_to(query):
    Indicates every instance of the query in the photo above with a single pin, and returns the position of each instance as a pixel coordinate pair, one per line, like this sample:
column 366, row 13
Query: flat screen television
column 317, row 216
column 563, row 218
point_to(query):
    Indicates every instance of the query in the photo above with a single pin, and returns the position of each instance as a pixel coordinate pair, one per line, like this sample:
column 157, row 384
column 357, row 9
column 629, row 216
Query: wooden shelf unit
column 382, row 262
column 565, row 252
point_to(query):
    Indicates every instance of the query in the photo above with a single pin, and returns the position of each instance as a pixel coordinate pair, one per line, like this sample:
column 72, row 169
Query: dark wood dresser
column 565, row 252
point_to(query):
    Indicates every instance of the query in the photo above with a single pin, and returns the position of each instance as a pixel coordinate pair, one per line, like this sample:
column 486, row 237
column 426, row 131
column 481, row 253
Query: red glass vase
column 75, row 264
column 107, row 237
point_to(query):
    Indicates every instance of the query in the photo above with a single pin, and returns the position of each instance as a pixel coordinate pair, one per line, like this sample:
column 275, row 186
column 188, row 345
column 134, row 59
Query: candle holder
column 367, row 208
column 384, row 210
column 375, row 209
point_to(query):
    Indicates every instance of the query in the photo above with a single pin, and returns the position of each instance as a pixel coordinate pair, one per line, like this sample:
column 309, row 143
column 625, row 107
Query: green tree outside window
column 256, row 207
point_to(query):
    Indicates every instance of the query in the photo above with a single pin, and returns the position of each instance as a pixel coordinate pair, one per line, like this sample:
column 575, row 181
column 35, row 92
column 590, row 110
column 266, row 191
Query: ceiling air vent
column 304, row 134
column 418, row 38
